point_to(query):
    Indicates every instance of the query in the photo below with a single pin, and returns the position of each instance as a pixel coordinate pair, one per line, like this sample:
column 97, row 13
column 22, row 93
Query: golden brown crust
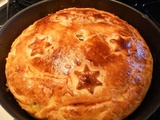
column 79, row 64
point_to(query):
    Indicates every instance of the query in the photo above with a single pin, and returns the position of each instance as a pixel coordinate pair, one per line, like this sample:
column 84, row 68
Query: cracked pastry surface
column 79, row 64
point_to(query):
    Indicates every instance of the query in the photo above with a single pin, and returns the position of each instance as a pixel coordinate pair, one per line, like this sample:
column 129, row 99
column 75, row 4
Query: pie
column 79, row 64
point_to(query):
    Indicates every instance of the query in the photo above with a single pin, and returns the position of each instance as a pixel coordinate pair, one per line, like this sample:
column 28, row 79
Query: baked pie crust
column 79, row 64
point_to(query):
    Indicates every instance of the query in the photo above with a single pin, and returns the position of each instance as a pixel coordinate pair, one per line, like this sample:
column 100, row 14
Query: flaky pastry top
column 79, row 64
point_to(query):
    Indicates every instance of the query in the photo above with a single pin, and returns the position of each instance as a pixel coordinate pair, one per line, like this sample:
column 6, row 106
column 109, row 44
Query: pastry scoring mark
column 81, row 35
column 88, row 79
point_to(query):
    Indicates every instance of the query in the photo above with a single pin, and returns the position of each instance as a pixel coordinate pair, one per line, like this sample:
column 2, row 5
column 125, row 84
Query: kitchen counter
column 4, row 115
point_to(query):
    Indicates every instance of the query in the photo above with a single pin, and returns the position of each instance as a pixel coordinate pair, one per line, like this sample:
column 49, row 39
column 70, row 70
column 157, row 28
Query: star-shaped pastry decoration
column 88, row 79
column 38, row 46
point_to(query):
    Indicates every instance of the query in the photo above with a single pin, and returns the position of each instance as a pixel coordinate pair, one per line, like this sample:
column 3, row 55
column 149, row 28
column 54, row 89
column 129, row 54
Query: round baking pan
column 23, row 19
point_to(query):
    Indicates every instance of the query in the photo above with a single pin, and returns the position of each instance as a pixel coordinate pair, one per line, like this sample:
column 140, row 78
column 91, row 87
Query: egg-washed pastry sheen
column 79, row 64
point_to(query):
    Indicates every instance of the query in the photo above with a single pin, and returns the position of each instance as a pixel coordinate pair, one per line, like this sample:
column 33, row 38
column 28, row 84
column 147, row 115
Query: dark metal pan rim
column 10, row 21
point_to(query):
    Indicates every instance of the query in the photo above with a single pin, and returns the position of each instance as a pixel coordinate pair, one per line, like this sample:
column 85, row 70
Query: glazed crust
column 79, row 64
